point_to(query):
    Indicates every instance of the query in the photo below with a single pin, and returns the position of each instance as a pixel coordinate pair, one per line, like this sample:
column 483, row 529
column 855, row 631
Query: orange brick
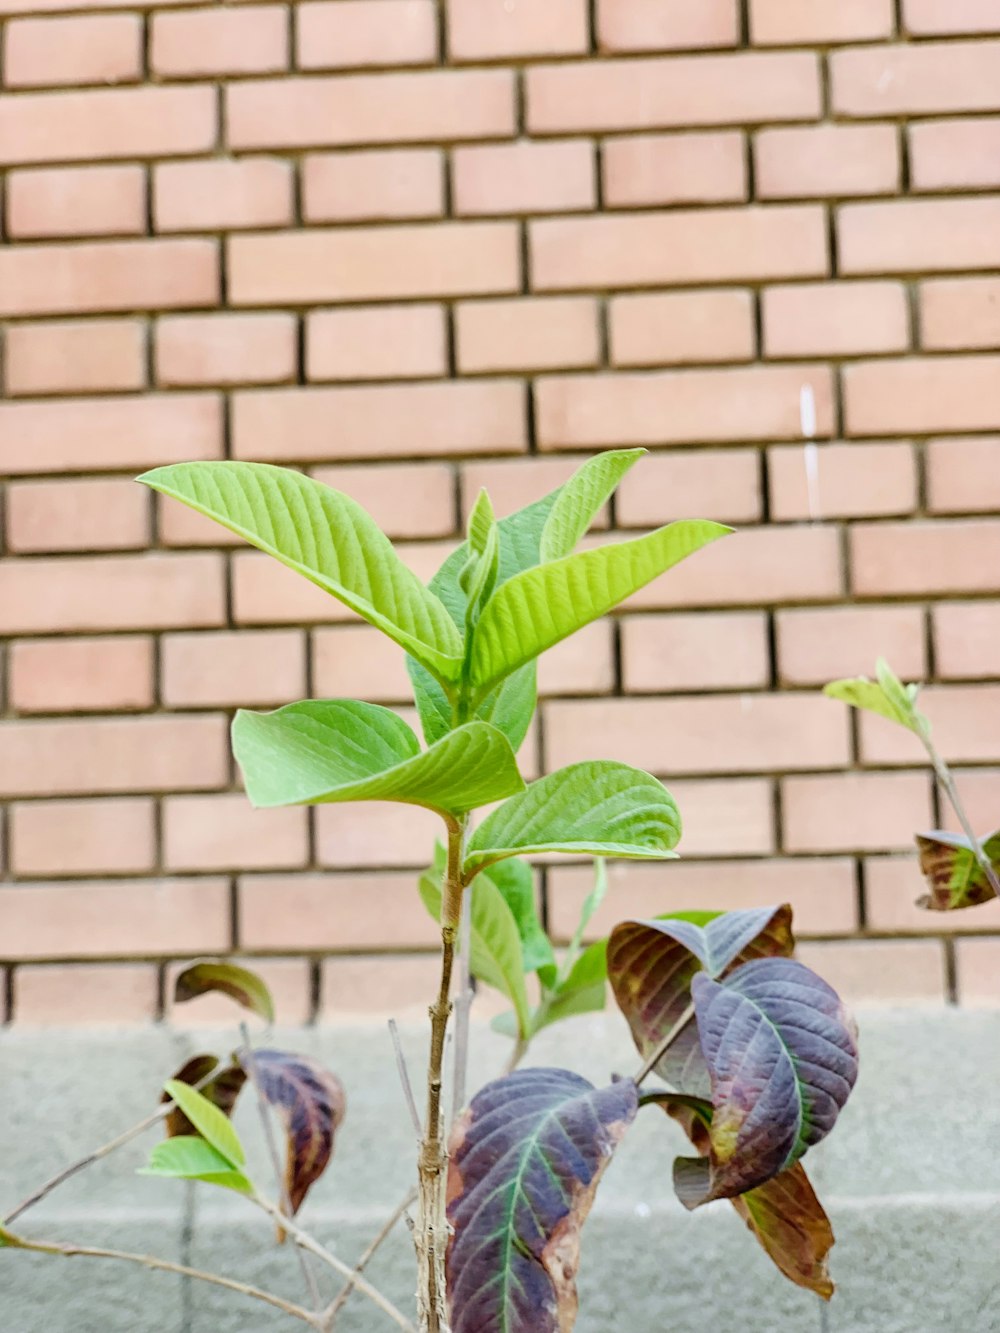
column 375, row 834
column 108, row 275
column 493, row 30
column 355, row 661
column 962, row 475
column 955, row 154
column 821, row 890
column 960, row 312
column 339, row 34
column 965, row 721
column 236, row 39
column 374, row 988
column 674, row 169
column 835, row 319
column 361, row 263
column 675, row 91
column 854, row 811
column 841, row 480
column 381, row 342
column 931, row 18
column 912, row 234
column 692, row 483
column 583, row 664
column 679, row 328
column 83, row 356
column 978, row 966
column 216, row 195
column 70, row 995
column 923, row 394
column 101, row 48
column 947, row 555
column 81, row 675
column 706, row 245
column 701, row 734
column 80, row 515
column 430, row 106
column 880, row 971
column 524, row 177
column 76, row 201
column 220, row 670
column 336, row 913
column 724, row 651
column 821, row 22
column 665, row 25
column 921, row 78
column 226, row 349
column 966, row 639
column 514, row 484
column 225, row 832
column 816, row 646
column 101, row 837
column 377, row 183
column 372, row 421
column 405, row 499
column 107, row 123
column 109, row 433
column 759, row 402
column 811, row 160
column 110, row 592
column 893, row 884
column 532, row 333
column 118, row 919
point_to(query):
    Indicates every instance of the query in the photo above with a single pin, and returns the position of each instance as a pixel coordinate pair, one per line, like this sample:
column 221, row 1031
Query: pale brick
column 156, row 591
column 380, row 342
column 962, row 475
column 931, row 18
column 337, row 913
column 116, row 836
column 682, row 91
column 378, row 987
column 372, row 184
column 908, row 235
column 177, row 525
column 826, row 160
column 231, row 39
column 405, row 499
column 720, row 733
column 107, row 123
column 965, row 721
column 530, row 333
column 216, row 195
column 495, row 30
column 225, row 832
column 118, row 919
column 76, row 201
column 289, row 981
column 723, row 651
column 524, row 177
column 980, row 788
column 341, row 34
column 85, row 995
column 854, row 811
column 665, row 25
column 978, row 967
column 80, row 515
column 955, row 154
column 79, row 356
column 357, row 264
column 820, row 22
column 747, row 825
column 674, row 169
column 756, row 403
column 893, row 888
column 691, row 483
column 841, row 480
column 966, row 640
column 835, row 319
column 923, row 394
column 81, row 675
column 220, row 670
column 816, row 646
column 515, row 483
column 226, row 349
column 680, row 328
column 101, row 48
column 957, row 313
column 424, row 107
column 375, row 834
column 948, row 555
column 357, row 661
column 582, row 664
column 371, row 421
column 919, row 78
column 880, row 972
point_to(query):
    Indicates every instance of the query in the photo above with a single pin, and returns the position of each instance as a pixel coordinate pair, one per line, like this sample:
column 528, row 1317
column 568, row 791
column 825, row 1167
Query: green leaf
column 954, row 875
column 239, row 983
column 516, row 882
column 222, row 1091
column 537, row 609
column 581, row 499
column 482, row 521
column 887, row 696
column 596, row 808
column 327, row 537
column 582, row 991
column 211, row 1123
column 188, row 1158
column 330, row 750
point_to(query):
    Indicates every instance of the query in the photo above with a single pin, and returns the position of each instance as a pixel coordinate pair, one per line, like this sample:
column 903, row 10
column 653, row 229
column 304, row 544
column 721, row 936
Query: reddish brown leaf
column 953, row 873
column 239, row 983
column 222, row 1091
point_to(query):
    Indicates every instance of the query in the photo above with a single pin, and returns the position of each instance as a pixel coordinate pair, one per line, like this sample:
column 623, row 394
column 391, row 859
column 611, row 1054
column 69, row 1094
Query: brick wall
column 417, row 248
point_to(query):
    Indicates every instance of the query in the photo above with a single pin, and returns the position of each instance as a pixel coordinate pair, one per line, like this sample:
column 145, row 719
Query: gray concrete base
column 911, row 1178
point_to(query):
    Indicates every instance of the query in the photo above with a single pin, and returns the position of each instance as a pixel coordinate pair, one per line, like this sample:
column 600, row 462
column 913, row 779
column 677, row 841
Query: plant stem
column 330, row 1313
column 463, row 1002
column 665, row 1045
column 164, row 1266
column 947, row 783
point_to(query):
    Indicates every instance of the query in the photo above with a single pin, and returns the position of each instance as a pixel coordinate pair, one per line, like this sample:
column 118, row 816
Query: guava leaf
column 327, row 537
column 651, row 965
column 239, row 983
column 516, row 883
column 222, row 1091
column 953, row 873
column 584, row 989
column 525, row 1161
column 193, row 1158
column 886, row 695
column 327, row 750
column 581, row 499
column 782, row 1055
column 209, row 1121
column 540, row 607
column 595, row 808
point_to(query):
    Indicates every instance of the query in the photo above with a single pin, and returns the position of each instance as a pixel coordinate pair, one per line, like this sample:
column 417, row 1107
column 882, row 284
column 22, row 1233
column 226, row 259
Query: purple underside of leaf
column 526, row 1159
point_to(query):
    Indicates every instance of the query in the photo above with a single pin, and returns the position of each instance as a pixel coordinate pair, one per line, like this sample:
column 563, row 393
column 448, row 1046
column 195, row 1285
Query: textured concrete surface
column 911, row 1178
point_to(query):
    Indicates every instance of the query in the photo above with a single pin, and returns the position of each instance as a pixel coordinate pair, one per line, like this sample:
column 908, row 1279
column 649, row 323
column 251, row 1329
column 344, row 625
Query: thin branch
column 330, row 1313
column 947, row 781
column 665, row 1045
column 404, row 1077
